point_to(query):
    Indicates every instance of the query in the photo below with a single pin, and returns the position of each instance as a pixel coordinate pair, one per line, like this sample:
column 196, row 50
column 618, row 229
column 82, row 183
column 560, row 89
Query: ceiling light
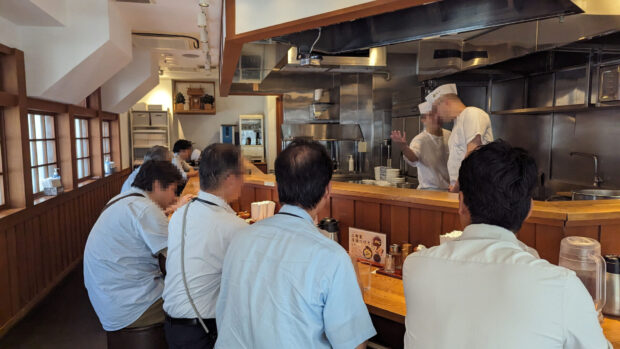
column 203, row 3
column 190, row 55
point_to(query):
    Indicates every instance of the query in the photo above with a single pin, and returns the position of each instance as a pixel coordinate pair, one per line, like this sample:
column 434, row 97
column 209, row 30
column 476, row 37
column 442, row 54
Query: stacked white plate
column 397, row 180
column 391, row 173
column 378, row 172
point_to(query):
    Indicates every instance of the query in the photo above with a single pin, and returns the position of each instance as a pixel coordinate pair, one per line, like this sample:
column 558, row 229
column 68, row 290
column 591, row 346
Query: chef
column 428, row 151
column 472, row 127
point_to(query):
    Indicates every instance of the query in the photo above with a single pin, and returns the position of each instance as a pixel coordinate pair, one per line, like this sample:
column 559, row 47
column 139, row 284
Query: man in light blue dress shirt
column 156, row 153
column 284, row 284
column 121, row 267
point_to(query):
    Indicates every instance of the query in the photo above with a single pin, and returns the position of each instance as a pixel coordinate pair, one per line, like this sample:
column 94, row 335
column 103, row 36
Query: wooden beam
column 234, row 42
column 36, row 104
column 7, row 99
column 109, row 116
column 279, row 122
column 76, row 110
column 5, row 50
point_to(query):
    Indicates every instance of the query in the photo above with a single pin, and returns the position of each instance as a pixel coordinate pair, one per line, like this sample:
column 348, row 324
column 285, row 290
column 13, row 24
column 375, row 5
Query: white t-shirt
column 487, row 290
column 471, row 122
column 432, row 153
column 181, row 165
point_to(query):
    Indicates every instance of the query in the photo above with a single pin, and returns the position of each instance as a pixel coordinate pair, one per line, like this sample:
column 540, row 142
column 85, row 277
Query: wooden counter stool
column 149, row 337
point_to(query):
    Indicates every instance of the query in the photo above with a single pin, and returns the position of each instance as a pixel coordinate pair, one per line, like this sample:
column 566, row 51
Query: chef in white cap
column 472, row 127
column 428, row 151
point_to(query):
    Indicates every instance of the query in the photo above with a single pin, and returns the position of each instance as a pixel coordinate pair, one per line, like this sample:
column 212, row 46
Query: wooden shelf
column 194, row 112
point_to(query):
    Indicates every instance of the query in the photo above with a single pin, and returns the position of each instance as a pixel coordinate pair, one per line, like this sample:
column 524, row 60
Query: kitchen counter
column 386, row 299
column 571, row 212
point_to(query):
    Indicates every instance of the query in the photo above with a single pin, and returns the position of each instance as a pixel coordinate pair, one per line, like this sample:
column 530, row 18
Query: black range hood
column 439, row 18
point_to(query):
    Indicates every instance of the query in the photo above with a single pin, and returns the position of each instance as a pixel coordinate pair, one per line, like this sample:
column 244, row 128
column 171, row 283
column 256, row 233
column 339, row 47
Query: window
column 43, row 156
column 3, row 183
column 105, row 139
column 82, row 148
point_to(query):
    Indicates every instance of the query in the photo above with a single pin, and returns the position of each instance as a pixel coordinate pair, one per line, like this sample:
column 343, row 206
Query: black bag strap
column 121, row 198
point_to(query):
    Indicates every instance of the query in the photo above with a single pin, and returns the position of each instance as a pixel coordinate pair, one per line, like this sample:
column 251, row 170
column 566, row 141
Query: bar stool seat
column 149, row 337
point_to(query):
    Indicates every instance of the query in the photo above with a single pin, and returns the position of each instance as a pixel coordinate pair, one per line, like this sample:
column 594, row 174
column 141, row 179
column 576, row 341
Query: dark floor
column 64, row 319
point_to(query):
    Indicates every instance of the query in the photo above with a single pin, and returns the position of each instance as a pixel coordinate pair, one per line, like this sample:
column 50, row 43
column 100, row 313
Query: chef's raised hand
column 398, row 138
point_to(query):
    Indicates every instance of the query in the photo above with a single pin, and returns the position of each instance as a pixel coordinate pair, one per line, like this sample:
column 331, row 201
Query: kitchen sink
column 596, row 194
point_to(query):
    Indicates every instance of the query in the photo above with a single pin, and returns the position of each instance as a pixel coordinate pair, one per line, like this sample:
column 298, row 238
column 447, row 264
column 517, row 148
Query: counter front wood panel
column 419, row 217
column 41, row 244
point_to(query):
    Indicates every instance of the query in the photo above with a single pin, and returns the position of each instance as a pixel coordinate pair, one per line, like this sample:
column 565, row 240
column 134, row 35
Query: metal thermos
column 612, row 280
column 330, row 225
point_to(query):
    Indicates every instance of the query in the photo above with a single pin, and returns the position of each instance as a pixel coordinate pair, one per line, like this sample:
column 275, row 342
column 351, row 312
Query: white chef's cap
column 440, row 91
column 425, row 107
column 195, row 155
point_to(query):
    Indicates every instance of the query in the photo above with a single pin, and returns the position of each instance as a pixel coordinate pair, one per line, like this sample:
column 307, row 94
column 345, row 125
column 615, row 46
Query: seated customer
column 210, row 225
column 485, row 289
column 284, row 284
column 156, row 153
column 121, row 267
column 182, row 154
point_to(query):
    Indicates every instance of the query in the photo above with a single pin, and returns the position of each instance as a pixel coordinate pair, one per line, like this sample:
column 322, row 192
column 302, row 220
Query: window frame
column 41, row 193
column 3, row 168
column 90, row 150
column 109, row 138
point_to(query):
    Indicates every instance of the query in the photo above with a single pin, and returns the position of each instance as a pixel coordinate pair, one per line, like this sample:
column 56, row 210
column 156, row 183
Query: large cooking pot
column 596, row 194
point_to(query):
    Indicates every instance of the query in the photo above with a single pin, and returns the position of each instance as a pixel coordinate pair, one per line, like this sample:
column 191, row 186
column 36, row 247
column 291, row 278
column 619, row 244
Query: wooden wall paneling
column 96, row 145
column 610, row 243
column 548, row 239
column 262, row 194
column 57, row 243
column 5, row 280
column 45, row 248
column 425, row 227
column 74, row 226
column 11, row 242
column 450, row 222
column 29, row 254
column 590, row 231
column 527, row 234
column 66, row 238
column 22, row 267
column 367, row 215
column 13, row 80
column 386, row 220
column 399, row 217
column 36, row 231
column 66, row 149
column 247, row 197
column 344, row 211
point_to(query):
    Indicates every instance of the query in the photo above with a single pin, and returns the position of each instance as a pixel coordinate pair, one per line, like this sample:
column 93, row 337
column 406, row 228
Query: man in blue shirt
column 121, row 266
column 284, row 284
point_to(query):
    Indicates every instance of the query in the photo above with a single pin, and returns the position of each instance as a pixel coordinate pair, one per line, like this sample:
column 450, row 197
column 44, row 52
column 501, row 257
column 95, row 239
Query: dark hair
column 217, row 161
column 162, row 171
column 181, row 144
column 158, row 153
column 498, row 182
column 303, row 171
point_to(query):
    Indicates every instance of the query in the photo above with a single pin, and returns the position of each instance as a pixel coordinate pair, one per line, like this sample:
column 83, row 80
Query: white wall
column 205, row 129
column 251, row 14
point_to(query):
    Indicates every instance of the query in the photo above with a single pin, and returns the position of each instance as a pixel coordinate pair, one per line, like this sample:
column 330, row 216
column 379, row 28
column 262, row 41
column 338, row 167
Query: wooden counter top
column 386, row 298
column 568, row 211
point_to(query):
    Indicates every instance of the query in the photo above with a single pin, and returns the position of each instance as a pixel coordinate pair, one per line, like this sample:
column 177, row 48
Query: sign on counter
column 367, row 245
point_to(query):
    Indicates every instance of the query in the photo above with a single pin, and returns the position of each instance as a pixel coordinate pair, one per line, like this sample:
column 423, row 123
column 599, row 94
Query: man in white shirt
column 284, row 284
column 428, row 151
column 210, row 224
column 486, row 289
column 156, row 153
column 182, row 150
column 121, row 266
column 472, row 127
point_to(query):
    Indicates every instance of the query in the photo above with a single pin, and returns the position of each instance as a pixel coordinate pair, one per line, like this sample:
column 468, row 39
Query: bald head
column 448, row 106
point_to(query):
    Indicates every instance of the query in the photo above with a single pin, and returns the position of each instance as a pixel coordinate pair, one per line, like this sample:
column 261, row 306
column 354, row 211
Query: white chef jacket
column 485, row 290
column 471, row 122
column 181, row 165
column 121, row 268
column 432, row 153
column 209, row 230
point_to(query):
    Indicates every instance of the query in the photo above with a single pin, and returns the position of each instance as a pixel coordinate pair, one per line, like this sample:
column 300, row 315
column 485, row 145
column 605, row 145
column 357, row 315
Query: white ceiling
column 177, row 17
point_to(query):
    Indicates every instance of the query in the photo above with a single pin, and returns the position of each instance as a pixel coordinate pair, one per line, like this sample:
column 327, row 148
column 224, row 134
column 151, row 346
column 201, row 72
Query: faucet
column 597, row 179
